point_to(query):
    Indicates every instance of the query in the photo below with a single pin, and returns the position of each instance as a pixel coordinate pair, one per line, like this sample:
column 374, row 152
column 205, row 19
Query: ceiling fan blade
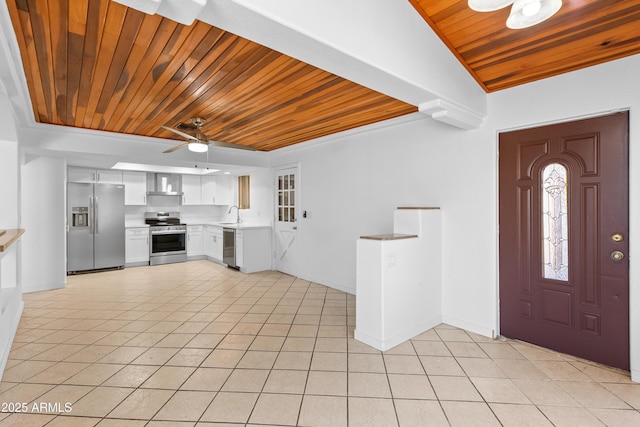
column 177, row 147
column 182, row 134
column 231, row 145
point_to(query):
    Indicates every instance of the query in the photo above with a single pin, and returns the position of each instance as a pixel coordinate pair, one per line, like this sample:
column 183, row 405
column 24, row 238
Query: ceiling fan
column 198, row 142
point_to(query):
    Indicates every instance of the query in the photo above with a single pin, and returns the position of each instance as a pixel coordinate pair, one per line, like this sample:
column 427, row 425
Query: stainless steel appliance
column 164, row 184
column 95, row 231
column 168, row 237
column 229, row 247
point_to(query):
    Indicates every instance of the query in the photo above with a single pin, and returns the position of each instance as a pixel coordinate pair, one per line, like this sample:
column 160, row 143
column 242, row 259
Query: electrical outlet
column 391, row 260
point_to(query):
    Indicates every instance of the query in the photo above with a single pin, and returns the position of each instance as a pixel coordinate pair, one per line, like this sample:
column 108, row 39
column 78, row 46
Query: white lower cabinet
column 253, row 249
column 240, row 249
column 195, row 241
column 217, row 243
column 213, row 242
column 137, row 246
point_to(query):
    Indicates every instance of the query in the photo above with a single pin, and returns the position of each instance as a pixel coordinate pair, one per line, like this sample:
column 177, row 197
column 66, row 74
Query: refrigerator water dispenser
column 80, row 216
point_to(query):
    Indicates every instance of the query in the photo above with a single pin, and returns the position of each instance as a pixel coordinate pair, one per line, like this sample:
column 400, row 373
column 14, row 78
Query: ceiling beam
column 384, row 46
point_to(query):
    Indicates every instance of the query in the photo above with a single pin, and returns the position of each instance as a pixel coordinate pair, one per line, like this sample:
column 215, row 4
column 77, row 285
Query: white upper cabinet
column 102, row 176
column 208, row 190
column 225, row 190
column 135, row 188
column 191, row 190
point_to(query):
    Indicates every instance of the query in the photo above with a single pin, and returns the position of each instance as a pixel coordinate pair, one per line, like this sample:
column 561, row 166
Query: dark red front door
column 564, row 274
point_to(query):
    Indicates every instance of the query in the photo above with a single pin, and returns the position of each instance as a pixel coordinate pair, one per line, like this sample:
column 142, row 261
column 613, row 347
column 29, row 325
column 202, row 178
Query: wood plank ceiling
column 583, row 33
column 98, row 65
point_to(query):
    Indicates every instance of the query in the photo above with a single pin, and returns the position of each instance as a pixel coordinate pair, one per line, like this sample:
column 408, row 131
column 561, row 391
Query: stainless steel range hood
column 164, row 184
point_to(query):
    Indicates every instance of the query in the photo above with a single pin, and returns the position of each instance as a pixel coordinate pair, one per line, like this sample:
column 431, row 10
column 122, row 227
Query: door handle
column 617, row 256
column 95, row 215
column 91, row 216
column 295, row 228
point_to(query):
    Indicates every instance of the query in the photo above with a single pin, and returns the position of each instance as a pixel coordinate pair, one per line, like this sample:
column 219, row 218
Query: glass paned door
column 286, row 198
column 286, row 226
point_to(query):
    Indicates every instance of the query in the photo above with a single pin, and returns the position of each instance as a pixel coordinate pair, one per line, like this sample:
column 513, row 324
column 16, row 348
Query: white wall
column 11, row 304
column 43, row 247
column 9, row 184
column 8, row 165
column 352, row 184
column 261, row 197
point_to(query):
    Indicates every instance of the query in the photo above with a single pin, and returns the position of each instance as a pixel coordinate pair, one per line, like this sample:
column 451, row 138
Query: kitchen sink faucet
column 237, row 212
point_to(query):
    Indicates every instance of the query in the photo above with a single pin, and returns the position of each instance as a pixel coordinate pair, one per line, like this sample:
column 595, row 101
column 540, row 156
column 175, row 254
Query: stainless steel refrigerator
column 95, row 234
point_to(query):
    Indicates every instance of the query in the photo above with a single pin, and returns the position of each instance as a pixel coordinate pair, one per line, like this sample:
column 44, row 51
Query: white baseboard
column 42, row 287
column 467, row 326
column 389, row 343
column 337, row 286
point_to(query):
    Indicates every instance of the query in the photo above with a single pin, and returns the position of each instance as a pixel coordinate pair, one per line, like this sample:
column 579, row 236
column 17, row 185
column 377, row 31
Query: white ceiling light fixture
column 525, row 13
column 488, row 5
column 198, row 147
column 182, row 11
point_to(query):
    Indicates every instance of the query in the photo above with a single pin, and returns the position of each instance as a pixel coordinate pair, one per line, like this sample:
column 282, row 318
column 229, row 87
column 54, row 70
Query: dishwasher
column 229, row 247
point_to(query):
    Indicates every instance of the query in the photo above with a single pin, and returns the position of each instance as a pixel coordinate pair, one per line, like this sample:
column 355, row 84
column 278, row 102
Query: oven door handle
column 155, row 233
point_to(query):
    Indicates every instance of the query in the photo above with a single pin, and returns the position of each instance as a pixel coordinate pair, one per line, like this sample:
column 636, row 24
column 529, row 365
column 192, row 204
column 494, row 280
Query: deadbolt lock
column 617, row 237
column 617, row 256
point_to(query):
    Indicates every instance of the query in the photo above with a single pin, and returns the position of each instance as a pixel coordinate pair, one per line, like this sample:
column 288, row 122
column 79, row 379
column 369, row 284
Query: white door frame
column 295, row 267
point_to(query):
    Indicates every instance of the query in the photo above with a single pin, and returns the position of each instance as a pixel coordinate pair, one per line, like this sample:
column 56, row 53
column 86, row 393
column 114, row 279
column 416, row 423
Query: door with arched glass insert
column 564, row 274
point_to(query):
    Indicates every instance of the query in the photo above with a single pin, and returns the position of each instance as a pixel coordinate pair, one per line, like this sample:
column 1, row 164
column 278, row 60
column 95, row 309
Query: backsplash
column 194, row 214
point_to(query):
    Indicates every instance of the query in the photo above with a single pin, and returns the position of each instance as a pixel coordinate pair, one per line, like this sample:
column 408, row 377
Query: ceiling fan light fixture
column 198, row 147
column 488, row 5
column 525, row 13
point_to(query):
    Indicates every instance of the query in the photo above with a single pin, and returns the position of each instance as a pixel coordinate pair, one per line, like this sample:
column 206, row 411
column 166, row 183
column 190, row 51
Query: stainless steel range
column 168, row 237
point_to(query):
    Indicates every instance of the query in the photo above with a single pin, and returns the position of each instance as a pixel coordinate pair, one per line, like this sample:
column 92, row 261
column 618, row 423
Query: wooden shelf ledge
column 390, row 237
column 426, row 208
column 9, row 237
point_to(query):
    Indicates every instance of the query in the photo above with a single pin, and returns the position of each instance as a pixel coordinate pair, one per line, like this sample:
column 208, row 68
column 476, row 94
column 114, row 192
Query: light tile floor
column 198, row 344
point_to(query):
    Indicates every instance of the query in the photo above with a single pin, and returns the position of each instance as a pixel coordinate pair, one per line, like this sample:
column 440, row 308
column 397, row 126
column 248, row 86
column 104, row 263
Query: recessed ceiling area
column 100, row 65
column 581, row 34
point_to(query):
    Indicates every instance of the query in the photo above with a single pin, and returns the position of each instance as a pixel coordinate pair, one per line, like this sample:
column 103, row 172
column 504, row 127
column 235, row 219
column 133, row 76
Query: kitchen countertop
column 237, row 226
column 135, row 224
column 9, row 237
column 242, row 225
column 392, row 236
